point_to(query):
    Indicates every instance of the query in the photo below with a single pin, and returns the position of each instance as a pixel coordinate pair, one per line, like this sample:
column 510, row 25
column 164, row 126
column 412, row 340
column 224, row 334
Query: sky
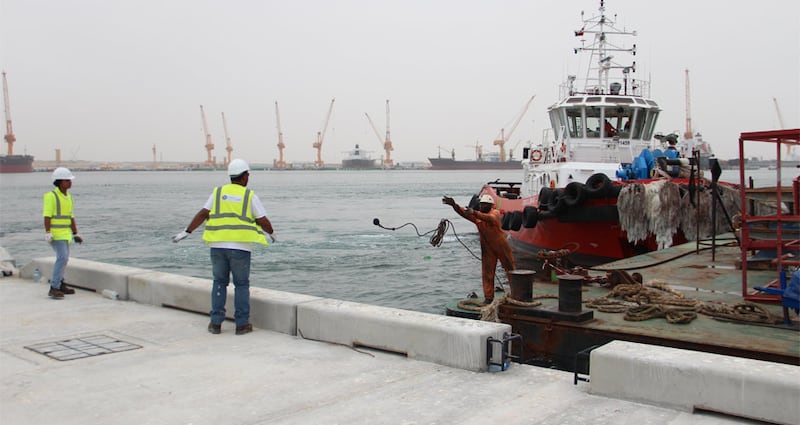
column 106, row 80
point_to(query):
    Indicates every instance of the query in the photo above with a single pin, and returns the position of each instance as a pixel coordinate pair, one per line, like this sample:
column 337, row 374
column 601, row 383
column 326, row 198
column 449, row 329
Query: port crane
column 503, row 136
column 387, row 142
column 321, row 136
column 280, row 163
column 10, row 138
column 688, row 134
column 209, row 145
column 228, row 146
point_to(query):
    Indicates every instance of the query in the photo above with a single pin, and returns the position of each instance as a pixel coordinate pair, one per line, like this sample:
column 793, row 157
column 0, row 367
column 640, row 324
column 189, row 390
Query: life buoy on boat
column 563, row 147
column 536, row 155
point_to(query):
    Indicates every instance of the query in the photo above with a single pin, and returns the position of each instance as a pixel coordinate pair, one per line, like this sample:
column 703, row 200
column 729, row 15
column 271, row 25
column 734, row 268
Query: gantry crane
column 228, row 146
column 503, row 137
column 387, row 142
column 209, row 145
column 688, row 134
column 280, row 163
column 321, row 136
column 10, row 138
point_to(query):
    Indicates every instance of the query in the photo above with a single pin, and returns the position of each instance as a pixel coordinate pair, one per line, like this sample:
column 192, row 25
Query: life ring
column 536, row 155
column 563, row 148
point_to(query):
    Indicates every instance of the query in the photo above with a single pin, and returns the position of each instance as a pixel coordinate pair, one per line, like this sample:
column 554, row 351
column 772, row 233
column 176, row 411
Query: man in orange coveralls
column 494, row 245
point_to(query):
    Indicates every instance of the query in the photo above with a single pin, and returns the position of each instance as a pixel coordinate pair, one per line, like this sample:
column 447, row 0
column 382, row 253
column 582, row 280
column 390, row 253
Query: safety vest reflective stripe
column 58, row 213
column 225, row 225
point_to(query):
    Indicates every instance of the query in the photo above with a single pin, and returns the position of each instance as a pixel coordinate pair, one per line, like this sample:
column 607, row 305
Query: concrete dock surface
column 170, row 370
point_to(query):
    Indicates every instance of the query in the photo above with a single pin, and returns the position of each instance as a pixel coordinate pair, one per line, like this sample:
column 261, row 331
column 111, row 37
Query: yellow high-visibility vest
column 58, row 207
column 230, row 218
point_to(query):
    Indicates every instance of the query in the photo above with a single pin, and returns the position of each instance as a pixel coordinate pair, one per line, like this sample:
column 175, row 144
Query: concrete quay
column 98, row 356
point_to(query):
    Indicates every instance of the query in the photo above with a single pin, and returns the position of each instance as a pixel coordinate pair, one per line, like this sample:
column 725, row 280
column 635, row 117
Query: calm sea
column 327, row 243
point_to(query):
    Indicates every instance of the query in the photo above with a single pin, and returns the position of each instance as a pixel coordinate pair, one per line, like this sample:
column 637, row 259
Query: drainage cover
column 78, row 348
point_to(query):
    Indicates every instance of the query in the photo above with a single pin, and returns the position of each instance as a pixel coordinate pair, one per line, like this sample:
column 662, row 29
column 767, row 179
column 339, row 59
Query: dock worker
column 494, row 244
column 60, row 228
column 235, row 219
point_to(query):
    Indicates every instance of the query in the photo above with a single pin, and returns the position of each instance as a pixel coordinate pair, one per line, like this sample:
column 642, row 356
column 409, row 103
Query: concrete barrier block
column 689, row 380
column 172, row 290
column 276, row 310
column 87, row 274
column 449, row 341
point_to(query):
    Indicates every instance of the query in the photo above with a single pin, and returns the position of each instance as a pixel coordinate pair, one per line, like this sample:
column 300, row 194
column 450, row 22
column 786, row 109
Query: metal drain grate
column 78, row 348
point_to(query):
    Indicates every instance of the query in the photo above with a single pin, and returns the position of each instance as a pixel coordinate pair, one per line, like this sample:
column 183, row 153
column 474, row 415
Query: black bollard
column 570, row 297
column 522, row 285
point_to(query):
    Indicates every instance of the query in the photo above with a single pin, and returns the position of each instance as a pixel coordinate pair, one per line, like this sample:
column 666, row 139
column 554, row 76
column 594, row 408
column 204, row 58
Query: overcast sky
column 105, row 80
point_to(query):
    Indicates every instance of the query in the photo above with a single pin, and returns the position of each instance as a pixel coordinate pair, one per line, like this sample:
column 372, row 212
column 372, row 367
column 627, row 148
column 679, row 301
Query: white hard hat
column 486, row 199
column 237, row 167
column 62, row 173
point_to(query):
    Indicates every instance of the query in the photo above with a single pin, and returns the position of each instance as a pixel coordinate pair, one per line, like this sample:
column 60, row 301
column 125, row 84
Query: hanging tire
column 597, row 185
column 556, row 203
column 516, row 221
column 530, row 216
column 473, row 202
column 544, row 197
column 505, row 222
column 574, row 194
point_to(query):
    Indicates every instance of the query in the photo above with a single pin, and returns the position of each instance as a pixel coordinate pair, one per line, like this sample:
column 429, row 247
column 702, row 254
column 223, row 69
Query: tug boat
column 600, row 186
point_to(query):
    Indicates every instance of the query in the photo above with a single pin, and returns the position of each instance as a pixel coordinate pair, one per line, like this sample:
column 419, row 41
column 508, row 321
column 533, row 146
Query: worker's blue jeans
column 224, row 263
column 62, row 256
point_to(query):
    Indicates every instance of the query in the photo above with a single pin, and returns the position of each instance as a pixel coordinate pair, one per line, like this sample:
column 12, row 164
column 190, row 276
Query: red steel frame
column 779, row 138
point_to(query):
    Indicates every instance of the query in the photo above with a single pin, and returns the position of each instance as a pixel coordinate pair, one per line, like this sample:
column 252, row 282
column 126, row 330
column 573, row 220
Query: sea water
column 327, row 243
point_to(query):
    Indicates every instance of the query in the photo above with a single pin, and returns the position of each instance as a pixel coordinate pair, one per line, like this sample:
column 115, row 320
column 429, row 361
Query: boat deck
column 549, row 339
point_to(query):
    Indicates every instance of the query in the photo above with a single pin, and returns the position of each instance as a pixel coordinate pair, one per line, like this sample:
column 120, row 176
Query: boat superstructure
column 601, row 184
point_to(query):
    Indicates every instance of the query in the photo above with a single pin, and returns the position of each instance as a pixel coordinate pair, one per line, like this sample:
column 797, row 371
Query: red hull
column 595, row 237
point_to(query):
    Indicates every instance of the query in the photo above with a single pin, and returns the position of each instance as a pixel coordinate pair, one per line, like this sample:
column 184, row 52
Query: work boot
column 55, row 293
column 66, row 289
column 214, row 329
column 244, row 329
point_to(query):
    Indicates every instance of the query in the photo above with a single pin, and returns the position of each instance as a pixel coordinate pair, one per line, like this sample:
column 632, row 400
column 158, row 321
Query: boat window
column 618, row 121
column 555, row 122
column 575, row 100
column 639, row 100
column 650, row 102
column 652, row 116
column 593, row 120
column 638, row 122
column 575, row 122
column 593, row 99
column 619, row 99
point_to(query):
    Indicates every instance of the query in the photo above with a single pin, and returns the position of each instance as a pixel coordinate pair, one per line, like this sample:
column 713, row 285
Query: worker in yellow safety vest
column 235, row 219
column 60, row 228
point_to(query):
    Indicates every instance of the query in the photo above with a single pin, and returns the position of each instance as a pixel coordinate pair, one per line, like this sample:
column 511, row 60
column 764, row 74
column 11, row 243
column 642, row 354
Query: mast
column 602, row 59
column 280, row 163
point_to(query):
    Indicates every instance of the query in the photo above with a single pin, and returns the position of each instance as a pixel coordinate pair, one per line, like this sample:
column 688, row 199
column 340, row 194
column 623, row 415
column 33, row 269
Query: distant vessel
column 12, row 163
column 492, row 163
column 16, row 164
column 358, row 159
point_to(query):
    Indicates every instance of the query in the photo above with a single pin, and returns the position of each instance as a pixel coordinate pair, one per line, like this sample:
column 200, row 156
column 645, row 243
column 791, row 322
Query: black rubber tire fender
column 556, row 203
column 515, row 223
column 597, row 185
column 530, row 216
column 473, row 202
column 544, row 197
column 575, row 194
column 505, row 222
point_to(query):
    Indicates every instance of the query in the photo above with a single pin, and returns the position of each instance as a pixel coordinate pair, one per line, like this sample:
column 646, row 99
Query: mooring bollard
column 570, row 297
column 522, row 285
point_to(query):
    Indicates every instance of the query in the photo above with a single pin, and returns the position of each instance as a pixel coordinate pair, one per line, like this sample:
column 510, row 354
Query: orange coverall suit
column 494, row 247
